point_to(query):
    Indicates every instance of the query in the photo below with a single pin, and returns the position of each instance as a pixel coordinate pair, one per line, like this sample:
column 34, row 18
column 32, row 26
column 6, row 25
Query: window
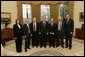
column 26, row 12
column 45, row 11
column 63, row 9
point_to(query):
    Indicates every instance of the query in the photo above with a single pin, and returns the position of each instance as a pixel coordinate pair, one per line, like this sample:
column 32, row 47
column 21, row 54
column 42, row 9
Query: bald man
column 34, row 32
column 52, row 33
column 60, row 31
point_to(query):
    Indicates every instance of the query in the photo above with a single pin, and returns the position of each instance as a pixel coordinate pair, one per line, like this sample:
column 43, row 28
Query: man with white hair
column 60, row 31
column 26, row 30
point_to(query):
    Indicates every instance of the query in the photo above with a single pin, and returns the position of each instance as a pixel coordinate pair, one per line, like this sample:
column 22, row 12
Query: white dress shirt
column 19, row 26
column 28, row 28
column 59, row 25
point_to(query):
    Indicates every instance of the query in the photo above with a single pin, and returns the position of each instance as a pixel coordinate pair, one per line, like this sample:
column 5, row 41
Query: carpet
column 46, row 53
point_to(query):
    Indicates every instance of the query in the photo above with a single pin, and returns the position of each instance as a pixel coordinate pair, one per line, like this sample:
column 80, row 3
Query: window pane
column 45, row 11
column 63, row 9
column 26, row 12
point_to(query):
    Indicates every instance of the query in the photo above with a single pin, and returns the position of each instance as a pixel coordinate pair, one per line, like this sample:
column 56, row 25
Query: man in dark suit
column 60, row 31
column 34, row 32
column 26, row 29
column 69, row 27
column 52, row 33
column 43, row 30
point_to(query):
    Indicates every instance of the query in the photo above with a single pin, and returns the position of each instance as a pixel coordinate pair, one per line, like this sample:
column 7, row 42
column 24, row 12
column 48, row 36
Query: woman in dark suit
column 18, row 32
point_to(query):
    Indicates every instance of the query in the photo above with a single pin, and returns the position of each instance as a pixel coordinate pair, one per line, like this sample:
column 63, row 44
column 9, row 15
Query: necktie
column 60, row 26
column 28, row 28
column 44, row 24
column 51, row 24
column 34, row 27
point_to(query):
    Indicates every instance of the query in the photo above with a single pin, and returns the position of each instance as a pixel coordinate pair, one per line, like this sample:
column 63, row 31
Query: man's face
column 67, row 16
column 44, row 18
column 59, row 18
column 27, row 21
column 51, row 20
column 34, row 19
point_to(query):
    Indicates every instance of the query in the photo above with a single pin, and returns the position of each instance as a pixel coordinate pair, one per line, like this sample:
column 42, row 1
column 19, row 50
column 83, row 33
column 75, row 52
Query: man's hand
column 71, row 33
column 24, row 36
column 31, row 34
column 15, row 38
column 39, row 33
column 51, row 33
column 47, row 33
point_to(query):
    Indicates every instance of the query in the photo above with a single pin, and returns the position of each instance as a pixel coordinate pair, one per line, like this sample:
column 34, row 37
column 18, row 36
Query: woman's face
column 18, row 22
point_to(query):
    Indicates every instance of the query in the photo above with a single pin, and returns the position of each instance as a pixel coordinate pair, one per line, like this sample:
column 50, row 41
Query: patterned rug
column 77, row 50
column 46, row 53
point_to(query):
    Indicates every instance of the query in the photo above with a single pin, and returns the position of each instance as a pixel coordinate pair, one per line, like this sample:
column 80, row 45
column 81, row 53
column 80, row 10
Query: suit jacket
column 52, row 28
column 31, row 28
column 69, row 26
column 62, row 32
column 62, row 28
column 25, row 29
column 43, row 29
column 17, row 31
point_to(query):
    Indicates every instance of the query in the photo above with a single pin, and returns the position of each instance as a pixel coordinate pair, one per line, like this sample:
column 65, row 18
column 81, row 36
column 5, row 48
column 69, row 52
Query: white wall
column 78, row 7
column 11, row 7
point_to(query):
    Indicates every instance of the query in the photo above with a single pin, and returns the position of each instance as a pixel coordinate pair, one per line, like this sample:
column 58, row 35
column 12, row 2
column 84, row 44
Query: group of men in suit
column 44, row 33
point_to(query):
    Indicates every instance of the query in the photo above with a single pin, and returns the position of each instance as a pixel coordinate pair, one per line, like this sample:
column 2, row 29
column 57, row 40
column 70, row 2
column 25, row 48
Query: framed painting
column 81, row 19
column 5, row 17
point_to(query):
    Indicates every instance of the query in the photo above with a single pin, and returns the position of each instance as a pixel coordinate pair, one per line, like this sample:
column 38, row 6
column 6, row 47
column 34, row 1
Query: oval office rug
column 46, row 53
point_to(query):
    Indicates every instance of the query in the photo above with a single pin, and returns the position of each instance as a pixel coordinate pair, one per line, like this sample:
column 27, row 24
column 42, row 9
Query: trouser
column 27, row 41
column 68, row 39
column 43, row 40
column 18, row 42
column 56, row 41
column 35, row 39
column 60, row 36
column 52, row 40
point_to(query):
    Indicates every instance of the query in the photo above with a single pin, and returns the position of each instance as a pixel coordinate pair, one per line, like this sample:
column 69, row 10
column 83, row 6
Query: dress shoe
column 36, row 46
column 57, row 46
column 25, row 50
column 62, row 46
column 29, row 48
column 40, row 46
column 53, row 46
column 44, row 46
column 33, row 46
column 69, row 47
column 66, row 46
column 19, row 52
